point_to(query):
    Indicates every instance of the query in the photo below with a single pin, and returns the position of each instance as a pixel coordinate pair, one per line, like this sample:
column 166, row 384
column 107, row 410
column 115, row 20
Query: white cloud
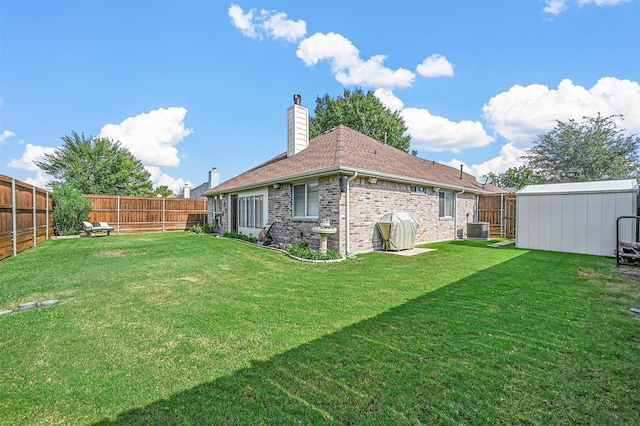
column 435, row 66
column 521, row 113
column 433, row 133
column 158, row 178
column 555, row 7
column 388, row 99
column 6, row 135
column 273, row 24
column 41, row 179
column 279, row 27
column 151, row 137
column 346, row 64
column 510, row 156
column 31, row 153
column 243, row 21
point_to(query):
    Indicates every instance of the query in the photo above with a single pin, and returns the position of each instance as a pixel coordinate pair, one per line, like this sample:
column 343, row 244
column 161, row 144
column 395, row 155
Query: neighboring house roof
column 346, row 150
column 199, row 190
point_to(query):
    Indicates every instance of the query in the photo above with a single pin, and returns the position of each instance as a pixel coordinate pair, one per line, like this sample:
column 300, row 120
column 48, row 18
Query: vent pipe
column 461, row 171
column 187, row 191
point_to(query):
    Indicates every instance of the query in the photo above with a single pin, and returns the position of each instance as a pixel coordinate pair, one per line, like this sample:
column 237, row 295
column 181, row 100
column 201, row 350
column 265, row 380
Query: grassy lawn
column 189, row 329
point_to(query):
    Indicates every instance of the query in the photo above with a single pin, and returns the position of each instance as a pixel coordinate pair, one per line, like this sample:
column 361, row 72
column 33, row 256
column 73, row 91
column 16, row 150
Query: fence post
column 35, row 218
column 502, row 230
column 14, row 216
column 163, row 210
column 118, row 215
column 46, row 221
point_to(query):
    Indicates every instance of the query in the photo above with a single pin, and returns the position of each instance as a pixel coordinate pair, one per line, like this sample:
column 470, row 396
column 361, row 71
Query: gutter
column 346, row 217
column 455, row 216
column 327, row 171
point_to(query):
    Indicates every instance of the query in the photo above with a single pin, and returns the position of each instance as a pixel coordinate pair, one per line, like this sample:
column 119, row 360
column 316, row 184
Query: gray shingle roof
column 345, row 150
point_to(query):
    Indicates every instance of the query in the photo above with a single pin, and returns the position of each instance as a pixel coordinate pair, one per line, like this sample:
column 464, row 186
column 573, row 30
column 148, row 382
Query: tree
column 362, row 112
column 515, row 178
column 594, row 149
column 70, row 208
column 162, row 191
column 97, row 166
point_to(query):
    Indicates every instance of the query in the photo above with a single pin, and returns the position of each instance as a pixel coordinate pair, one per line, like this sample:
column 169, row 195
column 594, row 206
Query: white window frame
column 445, row 204
column 417, row 189
column 250, row 210
column 308, row 208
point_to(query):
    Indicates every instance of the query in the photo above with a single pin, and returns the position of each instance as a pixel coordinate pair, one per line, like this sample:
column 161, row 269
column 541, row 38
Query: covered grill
column 398, row 231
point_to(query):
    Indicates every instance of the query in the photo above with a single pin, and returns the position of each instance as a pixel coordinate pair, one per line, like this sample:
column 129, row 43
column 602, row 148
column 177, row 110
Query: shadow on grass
column 486, row 349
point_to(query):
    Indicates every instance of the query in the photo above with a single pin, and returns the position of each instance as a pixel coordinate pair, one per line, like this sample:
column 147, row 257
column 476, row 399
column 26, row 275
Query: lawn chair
column 92, row 228
column 265, row 234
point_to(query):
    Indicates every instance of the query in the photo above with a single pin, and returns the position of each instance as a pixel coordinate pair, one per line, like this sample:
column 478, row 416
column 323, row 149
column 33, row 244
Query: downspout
column 346, row 216
column 455, row 216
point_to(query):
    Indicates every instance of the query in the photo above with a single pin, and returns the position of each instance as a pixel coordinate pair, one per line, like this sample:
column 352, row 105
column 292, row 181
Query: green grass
column 190, row 329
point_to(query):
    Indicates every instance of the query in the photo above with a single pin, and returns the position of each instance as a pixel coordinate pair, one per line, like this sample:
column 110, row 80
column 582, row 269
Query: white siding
column 575, row 222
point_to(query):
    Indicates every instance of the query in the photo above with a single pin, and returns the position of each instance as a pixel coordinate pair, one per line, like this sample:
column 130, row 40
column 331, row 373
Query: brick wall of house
column 368, row 203
column 290, row 230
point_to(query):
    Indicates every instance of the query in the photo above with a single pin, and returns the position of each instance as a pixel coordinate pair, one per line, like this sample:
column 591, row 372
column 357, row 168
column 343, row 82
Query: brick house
column 353, row 180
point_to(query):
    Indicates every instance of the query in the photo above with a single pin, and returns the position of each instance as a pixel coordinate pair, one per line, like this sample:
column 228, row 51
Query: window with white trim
column 418, row 189
column 250, row 211
column 305, row 200
column 446, row 204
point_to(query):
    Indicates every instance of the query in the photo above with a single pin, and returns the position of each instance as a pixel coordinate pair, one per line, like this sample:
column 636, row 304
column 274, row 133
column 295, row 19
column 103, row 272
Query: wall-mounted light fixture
column 436, row 189
column 276, row 185
column 373, row 180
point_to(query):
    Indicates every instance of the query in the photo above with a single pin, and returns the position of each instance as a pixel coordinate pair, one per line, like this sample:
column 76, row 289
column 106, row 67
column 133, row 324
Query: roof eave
column 327, row 171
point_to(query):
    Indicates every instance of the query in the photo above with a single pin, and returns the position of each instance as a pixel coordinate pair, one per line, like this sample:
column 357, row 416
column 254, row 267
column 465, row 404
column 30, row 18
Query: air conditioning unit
column 478, row 230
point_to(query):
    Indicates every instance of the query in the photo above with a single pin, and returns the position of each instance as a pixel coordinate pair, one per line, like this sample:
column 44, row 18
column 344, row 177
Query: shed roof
column 623, row 185
column 346, row 150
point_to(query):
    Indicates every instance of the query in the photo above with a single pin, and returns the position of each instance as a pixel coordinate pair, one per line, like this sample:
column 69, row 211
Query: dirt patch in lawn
column 110, row 253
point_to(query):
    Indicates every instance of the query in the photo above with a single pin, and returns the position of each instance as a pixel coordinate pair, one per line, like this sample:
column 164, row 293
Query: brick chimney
column 297, row 127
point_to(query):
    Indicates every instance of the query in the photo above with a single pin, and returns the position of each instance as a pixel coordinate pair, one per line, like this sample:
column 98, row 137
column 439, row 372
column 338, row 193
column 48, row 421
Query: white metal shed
column 576, row 217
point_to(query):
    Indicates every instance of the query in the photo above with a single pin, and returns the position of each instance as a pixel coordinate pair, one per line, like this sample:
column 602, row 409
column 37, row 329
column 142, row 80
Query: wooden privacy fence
column 25, row 216
column 500, row 211
column 130, row 215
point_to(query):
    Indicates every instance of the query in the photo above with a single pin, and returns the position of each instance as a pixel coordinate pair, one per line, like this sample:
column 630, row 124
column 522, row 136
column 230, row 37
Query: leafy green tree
column 70, row 208
column 162, row 191
column 362, row 112
column 594, row 149
column 515, row 177
column 97, row 166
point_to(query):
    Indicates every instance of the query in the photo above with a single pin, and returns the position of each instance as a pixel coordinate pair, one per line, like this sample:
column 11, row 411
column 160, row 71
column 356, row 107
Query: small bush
column 197, row 229
column 70, row 208
column 303, row 251
column 240, row 237
column 206, row 228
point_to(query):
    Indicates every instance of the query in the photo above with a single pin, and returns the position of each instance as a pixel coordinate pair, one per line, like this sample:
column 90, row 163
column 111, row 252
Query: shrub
column 240, row 237
column 303, row 251
column 197, row 229
column 207, row 228
column 70, row 208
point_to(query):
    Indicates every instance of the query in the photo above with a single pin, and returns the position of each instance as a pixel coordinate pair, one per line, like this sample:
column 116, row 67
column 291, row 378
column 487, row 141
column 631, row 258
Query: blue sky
column 191, row 85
